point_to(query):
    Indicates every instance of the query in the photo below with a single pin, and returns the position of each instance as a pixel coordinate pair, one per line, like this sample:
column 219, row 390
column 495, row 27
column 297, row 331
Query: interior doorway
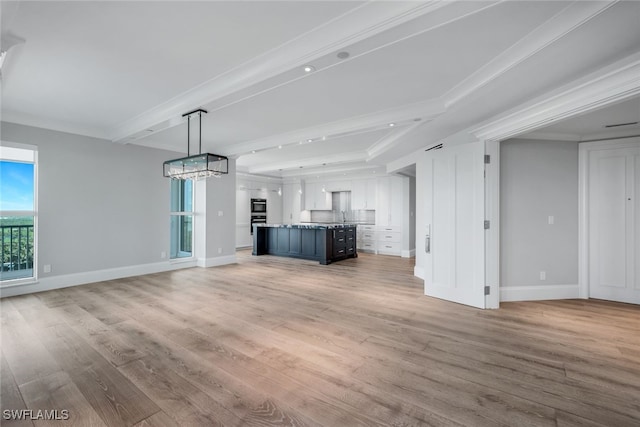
column 610, row 220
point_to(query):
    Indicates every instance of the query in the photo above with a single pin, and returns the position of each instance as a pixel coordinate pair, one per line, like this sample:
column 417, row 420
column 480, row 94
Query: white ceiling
column 127, row 71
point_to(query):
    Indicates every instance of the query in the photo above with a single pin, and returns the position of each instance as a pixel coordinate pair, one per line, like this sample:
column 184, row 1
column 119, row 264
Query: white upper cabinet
column 342, row 185
column 371, row 190
column 390, row 199
column 315, row 198
column 363, row 194
column 291, row 203
column 358, row 194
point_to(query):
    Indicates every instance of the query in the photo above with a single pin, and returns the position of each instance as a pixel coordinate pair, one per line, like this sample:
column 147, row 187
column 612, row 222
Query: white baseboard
column 537, row 293
column 75, row 279
column 408, row 254
column 418, row 272
column 217, row 261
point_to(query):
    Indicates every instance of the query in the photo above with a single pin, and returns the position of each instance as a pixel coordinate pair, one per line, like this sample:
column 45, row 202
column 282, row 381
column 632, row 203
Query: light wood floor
column 277, row 341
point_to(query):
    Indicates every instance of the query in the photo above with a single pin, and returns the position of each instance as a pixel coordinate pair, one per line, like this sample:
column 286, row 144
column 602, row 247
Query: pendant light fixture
column 198, row 166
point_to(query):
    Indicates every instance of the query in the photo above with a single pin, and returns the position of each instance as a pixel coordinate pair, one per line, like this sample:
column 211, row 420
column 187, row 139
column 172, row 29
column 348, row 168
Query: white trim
column 359, row 23
column 83, row 278
column 408, row 253
column 492, row 214
column 607, row 86
column 552, row 30
column 583, row 203
column 390, row 141
column 600, row 136
column 551, row 136
column 402, row 115
column 217, row 261
column 583, row 220
column 418, row 272
column 538, row 293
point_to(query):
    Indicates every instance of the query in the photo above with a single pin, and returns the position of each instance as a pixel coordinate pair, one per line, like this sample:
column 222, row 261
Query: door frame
column 583, row 203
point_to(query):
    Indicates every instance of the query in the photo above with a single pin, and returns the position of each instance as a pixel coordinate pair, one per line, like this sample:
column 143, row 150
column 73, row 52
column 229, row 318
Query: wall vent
column 621, row 124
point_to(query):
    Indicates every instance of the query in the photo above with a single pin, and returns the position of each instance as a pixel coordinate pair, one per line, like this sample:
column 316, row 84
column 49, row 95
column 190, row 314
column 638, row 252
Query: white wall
column 102, row 207
column 538, row 179
column 421, row 225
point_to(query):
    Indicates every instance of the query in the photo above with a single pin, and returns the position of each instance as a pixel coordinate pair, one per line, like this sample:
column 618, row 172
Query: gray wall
column 101, row 205
column 538, row 179
column 221, row 229
column 412, row 213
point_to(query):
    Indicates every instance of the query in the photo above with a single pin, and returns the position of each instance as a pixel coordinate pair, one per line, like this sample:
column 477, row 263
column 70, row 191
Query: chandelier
column 200, row 166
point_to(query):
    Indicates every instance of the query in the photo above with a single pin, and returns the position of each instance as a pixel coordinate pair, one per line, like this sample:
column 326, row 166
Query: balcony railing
column 17, row 251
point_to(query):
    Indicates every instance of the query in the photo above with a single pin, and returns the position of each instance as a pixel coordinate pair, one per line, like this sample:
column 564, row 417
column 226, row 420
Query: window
column 181, row 218
column 18, row 213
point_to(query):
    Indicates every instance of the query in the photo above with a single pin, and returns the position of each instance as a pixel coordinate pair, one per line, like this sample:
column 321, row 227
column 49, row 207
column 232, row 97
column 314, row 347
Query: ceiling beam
column 615, row 83
column 564, row 22
column 317, row 161
column 401, row 116
column 357, row 24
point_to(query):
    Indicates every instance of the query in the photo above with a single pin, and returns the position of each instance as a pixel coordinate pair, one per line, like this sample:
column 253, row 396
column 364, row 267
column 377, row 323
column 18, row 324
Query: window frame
column 7, row 283
column 182, row 213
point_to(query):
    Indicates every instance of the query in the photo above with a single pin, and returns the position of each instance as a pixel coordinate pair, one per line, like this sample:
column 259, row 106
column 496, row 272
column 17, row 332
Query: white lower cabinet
column 389, row 240
column 366, row 238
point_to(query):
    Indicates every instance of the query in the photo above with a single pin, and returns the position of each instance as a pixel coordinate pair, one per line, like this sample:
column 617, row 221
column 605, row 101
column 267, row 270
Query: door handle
column 427, row 240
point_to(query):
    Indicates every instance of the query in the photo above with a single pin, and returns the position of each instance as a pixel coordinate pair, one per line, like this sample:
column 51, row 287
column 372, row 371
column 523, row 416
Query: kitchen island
column 325, row 243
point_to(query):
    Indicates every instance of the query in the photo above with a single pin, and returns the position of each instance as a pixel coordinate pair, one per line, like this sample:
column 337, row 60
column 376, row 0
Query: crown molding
column 390, row 141
column 564, row 22
column 612, row 84
column 551, row 136
column 355, row 25
column 26, row 119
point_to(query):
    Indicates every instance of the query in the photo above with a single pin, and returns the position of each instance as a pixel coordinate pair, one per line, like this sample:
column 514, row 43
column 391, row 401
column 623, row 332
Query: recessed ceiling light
column 309, row 140
column 309, row 68
column 279, row 147
column 343, row 55
column 253, row 151
column 324, row 138
column 391, row 125
column 301, row 142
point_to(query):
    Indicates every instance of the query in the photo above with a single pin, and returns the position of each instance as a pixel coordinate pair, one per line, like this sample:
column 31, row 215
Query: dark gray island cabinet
column 324, row 243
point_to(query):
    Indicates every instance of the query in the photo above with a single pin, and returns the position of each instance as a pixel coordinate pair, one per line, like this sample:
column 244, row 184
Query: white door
column 614, row 223
column 454, row 235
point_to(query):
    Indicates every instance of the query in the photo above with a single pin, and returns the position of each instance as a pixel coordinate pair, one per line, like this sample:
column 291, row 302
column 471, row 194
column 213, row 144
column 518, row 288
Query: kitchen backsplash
column 360, row 216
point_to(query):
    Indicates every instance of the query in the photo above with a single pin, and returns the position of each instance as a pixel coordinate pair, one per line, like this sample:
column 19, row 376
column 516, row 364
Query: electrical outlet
column 543, row 275
column 46, row 268
column 551, row 219
column 163, row 254
column 219, row 250
column 220, row 213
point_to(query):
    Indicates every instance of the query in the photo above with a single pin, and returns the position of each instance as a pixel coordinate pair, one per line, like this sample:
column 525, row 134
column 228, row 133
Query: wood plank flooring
column 284, row 342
